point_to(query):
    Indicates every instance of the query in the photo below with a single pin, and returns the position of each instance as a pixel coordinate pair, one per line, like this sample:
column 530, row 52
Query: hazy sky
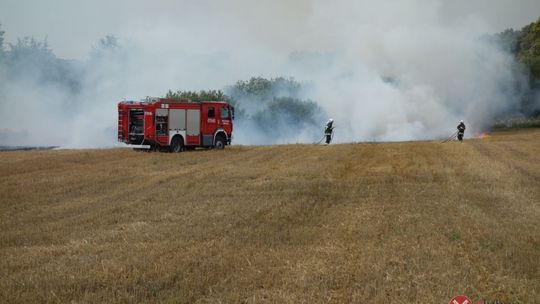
column 73, row 26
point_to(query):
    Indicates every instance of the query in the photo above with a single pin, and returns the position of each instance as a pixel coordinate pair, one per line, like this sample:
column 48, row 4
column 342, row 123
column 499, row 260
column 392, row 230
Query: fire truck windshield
column 224, row 112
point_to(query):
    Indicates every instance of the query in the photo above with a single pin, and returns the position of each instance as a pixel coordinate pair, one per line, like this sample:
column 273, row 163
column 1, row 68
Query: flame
column 484, row 135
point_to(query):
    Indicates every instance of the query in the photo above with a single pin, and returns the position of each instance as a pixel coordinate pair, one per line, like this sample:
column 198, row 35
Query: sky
column 72, row 27
column 384, row 70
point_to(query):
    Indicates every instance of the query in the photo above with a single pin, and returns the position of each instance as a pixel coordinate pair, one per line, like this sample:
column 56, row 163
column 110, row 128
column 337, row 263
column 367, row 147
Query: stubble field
column 415, row 222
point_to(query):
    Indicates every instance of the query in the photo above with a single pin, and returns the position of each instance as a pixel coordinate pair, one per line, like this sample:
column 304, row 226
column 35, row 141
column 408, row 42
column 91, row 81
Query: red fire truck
column 175, row 124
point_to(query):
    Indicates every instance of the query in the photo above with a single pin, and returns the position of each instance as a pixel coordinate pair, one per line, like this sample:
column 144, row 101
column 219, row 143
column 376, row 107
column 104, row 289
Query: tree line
column 263, row 103
column 30, row 59
column 524, row 45
column 260, row 100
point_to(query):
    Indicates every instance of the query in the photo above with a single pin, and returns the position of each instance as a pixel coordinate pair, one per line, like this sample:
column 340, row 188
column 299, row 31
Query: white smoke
column 384, row 70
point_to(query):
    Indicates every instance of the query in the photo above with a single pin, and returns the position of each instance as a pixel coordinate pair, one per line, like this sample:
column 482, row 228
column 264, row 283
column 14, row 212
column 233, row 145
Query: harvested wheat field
column 416, row 222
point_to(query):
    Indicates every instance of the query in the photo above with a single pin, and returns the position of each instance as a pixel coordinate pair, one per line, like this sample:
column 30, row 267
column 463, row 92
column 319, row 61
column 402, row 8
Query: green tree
column 529, row 49
column 30, row 48
column 288, row 111
column 262, row 90
column 524, row 44
column 273, row 106
column 30, row 58
column 199, row 96
column 106, row 46
column 509, row 40
column 207, row 95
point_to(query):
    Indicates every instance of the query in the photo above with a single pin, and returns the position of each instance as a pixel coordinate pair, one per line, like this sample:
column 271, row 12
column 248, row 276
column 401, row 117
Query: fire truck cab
column 175, row 124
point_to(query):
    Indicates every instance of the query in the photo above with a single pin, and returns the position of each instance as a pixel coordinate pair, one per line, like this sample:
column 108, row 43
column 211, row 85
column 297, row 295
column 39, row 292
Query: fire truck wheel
column 220, row 142
column 176, row 144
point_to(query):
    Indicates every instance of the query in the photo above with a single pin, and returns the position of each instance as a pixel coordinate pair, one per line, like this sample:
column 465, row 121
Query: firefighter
column 461, row 130
column 328, row 130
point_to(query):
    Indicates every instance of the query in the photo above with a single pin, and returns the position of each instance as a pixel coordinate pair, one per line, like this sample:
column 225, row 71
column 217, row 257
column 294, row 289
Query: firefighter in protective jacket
column 328, row 130
column 461, row 130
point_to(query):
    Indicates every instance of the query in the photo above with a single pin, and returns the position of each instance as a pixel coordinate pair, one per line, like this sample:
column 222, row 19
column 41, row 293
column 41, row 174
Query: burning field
column 483, row 135
column 416, row 222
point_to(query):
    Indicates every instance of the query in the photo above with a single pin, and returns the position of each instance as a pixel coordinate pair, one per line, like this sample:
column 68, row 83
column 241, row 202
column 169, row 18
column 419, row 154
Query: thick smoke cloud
column 385, row 71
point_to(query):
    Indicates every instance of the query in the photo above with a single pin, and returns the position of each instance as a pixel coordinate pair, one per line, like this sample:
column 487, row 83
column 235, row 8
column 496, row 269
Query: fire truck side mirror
column 232, row 112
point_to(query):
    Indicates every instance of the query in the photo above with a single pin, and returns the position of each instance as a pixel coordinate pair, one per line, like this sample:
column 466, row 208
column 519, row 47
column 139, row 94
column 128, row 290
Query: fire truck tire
column 220, row 142
column 177, row 144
